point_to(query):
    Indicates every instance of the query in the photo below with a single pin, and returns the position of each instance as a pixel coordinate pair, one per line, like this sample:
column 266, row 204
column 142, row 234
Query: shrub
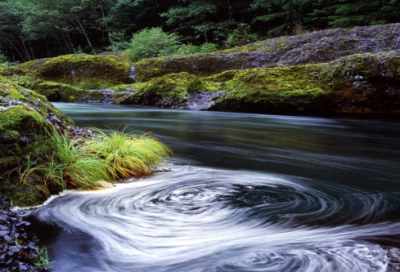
column 152, row 42
column 208, row 48
column 187, row 49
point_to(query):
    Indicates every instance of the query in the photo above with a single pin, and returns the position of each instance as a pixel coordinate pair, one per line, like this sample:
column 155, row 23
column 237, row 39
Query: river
column 243, row 192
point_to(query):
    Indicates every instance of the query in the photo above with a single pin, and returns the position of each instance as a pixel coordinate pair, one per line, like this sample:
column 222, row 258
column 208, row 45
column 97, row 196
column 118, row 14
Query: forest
column 32, row 29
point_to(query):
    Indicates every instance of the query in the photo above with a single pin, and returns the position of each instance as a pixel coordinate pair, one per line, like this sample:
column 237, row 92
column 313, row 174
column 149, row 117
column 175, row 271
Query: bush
column 153, row 42
column 208, row 48
column 187, row 49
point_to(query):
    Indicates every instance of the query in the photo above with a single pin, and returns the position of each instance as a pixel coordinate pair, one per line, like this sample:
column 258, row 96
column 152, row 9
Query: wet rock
column 393, row 257
column 18, row 245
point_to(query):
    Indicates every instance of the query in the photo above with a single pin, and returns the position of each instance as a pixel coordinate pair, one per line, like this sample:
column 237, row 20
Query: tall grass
column 128, row 155
column 109, row 157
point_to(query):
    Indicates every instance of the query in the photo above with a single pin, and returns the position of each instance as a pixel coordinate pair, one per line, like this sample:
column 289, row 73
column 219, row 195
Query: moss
column 382, row 64
column 85, row 71
column 22, row 121
column 25, row 195
column 173, row 86
column 12, row 94
column 52, row 90
column 262, row 84
column 198, row 64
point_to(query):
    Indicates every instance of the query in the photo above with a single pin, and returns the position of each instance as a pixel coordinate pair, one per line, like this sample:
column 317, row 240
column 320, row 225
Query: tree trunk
column 105, row 22
column 26, row 52
column 19, row 52
column 86, row 36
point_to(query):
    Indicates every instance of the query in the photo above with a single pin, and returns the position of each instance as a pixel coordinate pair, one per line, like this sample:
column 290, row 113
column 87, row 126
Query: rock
column 26, row 122
column 18, row 246
column 314, row 47
column 87, row 71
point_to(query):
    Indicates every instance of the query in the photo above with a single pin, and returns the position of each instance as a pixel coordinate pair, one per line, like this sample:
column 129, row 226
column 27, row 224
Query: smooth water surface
column 244, row 192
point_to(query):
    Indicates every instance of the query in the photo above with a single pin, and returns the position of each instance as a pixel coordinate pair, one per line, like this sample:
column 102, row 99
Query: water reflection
column 361, row 153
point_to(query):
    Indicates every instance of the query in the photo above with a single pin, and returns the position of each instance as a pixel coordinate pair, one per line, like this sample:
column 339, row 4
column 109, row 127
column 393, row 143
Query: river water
column 244, row 192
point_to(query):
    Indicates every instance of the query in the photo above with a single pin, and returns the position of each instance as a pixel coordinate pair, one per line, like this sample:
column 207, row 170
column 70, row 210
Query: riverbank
column 335, row 72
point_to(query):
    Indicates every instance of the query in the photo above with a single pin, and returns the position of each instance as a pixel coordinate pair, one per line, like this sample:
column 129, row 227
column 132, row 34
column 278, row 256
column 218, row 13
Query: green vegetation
column 76, row 165
column 153, row 42
column 173, row 85
column 42, row 28
column 255, row 85
column 43, row 258
column 83, row 71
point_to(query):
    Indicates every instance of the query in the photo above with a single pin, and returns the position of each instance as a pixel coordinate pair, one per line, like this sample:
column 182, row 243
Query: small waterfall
column 132, row 74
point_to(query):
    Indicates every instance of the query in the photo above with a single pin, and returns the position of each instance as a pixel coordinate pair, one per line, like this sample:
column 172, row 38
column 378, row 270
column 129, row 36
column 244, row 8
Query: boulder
column 27, row 120
column 314, row 47
column 84, row 71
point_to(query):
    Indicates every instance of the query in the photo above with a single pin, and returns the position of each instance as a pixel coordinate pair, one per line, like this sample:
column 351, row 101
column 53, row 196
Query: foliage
column 75, row 164
column 152, row 42
column 189, row 49
column 241, row 36
column 43, row 256
column 47, row 28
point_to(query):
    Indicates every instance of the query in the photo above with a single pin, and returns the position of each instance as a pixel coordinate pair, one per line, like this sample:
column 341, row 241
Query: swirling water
column 243, row 192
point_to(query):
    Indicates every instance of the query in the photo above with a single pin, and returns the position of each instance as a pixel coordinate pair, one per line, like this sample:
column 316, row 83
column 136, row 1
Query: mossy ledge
column 356, row 85
column 314, row 47
column 83, row 71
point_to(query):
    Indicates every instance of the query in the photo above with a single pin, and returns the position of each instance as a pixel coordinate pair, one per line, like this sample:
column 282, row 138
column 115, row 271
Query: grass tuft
column 75, row 164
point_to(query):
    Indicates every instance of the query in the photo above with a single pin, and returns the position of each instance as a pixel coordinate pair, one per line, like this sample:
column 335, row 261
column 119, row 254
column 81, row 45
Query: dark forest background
column 31, row 29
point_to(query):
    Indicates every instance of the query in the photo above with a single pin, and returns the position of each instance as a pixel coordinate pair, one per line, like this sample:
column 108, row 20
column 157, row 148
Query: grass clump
column 74, row 164
column 127, row 155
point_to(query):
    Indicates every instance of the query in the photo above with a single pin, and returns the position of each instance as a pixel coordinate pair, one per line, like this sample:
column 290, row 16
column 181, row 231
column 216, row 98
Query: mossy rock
column 53, row 91
column 360, row 84
column 26, row 121
column 314, row 47
column 84, row 71
column 23, row 130
column 165, row 91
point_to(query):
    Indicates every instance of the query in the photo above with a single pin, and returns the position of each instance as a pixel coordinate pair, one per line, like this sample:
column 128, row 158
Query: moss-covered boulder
column 314, row 47
column 84, row 71
column 360, row 84
column 26, row 119
column 53, row 91
column 169, row 91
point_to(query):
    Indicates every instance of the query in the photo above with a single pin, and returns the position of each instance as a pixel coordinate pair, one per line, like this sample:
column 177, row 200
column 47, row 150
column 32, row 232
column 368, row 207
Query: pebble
column 17, row 243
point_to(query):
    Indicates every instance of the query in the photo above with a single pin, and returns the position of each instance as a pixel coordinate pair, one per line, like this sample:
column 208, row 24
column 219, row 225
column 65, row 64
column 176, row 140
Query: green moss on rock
column 56, row 92
column 314, row 47
column 173, row 85
column 85, row 71
column 23, row 129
